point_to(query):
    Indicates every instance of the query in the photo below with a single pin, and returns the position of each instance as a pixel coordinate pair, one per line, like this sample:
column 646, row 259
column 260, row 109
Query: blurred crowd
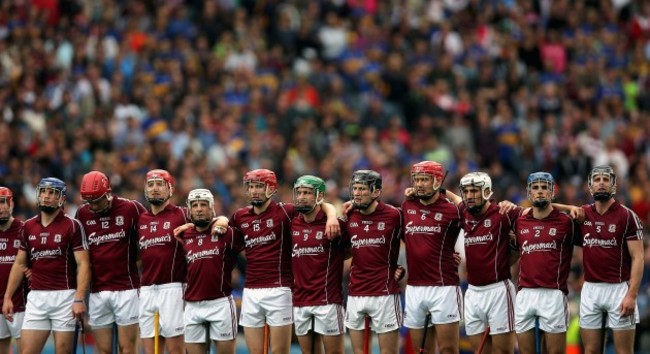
column 210, row 89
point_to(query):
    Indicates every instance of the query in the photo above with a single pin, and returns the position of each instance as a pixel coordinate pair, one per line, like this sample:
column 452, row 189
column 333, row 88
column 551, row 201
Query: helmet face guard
column 426, row 179
column 317, row 187
column 200, row 217
column 6, row 205
column 372, row 180
column 543, row 181
column 260, row 178
column 154, row 180
column 481, row 181
column 57, row 187
column 604, row 175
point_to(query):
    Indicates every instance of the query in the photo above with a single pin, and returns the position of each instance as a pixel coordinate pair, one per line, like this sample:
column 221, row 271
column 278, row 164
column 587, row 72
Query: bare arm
column 332, row 227
column 628, row 305
column 15, row 278
column 575, row 212
column 456, row 199
column 83, row 282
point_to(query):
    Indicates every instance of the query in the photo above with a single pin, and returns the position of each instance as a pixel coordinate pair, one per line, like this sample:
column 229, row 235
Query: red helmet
column 160, row 174
column 6, row 193
column 94, row 185
column 261, row 176
column 429, row 167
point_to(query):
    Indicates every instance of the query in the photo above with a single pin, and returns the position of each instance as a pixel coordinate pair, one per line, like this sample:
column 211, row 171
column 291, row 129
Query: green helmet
column 308, row 181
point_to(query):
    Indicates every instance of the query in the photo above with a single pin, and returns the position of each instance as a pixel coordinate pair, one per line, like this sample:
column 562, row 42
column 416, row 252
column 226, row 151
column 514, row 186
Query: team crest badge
column 612, row 228
column 214, row 238
column 269, row 223
column 167, row 225
column 119, row 220
column 487, row 223
column 437, row 217
column 16, row 243
column 319, row 235
column 381, row 226
column 552, row 231
column 57, row 238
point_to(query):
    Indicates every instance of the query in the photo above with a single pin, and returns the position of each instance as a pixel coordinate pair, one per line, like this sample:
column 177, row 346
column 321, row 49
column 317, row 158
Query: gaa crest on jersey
column 612, row 228
column 411, row 211
column 381, row 226
column 57, row 238
column 16, row 243
column 119, row 220
column 319, row 235
column 437, row 217
column 214, row 238
column 552, row 231
column 167, row 225
column 487, row 223
column 269, row 223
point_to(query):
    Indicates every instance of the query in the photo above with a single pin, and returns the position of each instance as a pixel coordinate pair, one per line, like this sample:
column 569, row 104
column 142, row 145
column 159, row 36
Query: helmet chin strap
column 48, row 209
column 541, row 204
column 602, row 196
column 201, row 223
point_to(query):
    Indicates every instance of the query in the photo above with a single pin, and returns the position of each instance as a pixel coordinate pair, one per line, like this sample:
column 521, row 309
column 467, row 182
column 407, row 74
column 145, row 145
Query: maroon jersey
column 163, row 258
column 317, row 263
column 267, row 239
column 604, row 243
column 487, row 244
column 9, row 246
column 430, row 233
column 210, row 257
column 545, row 247
column 113, row 245
column 50, row 250
column 375, row 241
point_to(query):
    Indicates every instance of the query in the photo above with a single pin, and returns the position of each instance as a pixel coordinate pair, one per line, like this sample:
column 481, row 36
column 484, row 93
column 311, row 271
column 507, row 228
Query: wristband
column 78, row 301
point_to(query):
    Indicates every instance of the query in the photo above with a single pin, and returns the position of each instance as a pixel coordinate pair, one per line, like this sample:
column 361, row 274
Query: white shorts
column 549, row 305
column 597, row 298
column 270, row 305
column 385, row 313
column 490, row 305
column 49, row 310
column 444, row 303
column 12, row 329
column 108, row 307
column 167, row 299
column 328, row 319
column 220, row 313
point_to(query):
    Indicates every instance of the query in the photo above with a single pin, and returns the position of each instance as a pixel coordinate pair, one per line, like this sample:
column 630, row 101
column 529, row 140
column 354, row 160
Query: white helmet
column 477, row 179
column 200, row 194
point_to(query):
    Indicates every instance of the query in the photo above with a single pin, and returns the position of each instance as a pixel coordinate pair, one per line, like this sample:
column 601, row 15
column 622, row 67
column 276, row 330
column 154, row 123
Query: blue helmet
column 536, row 177
column 51, row 183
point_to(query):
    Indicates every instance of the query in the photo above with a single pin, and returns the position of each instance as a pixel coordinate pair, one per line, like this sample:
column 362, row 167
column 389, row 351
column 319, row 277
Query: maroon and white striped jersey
column 545, row 248
column 163, row 258
column 487, row 244
column 50, row 249
column 267, row 241
column 375, row 242
column 9, row 246
column 430, row 233
column 210, row 262
column 317, row 262
column 113, row 244
column 604, row 242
